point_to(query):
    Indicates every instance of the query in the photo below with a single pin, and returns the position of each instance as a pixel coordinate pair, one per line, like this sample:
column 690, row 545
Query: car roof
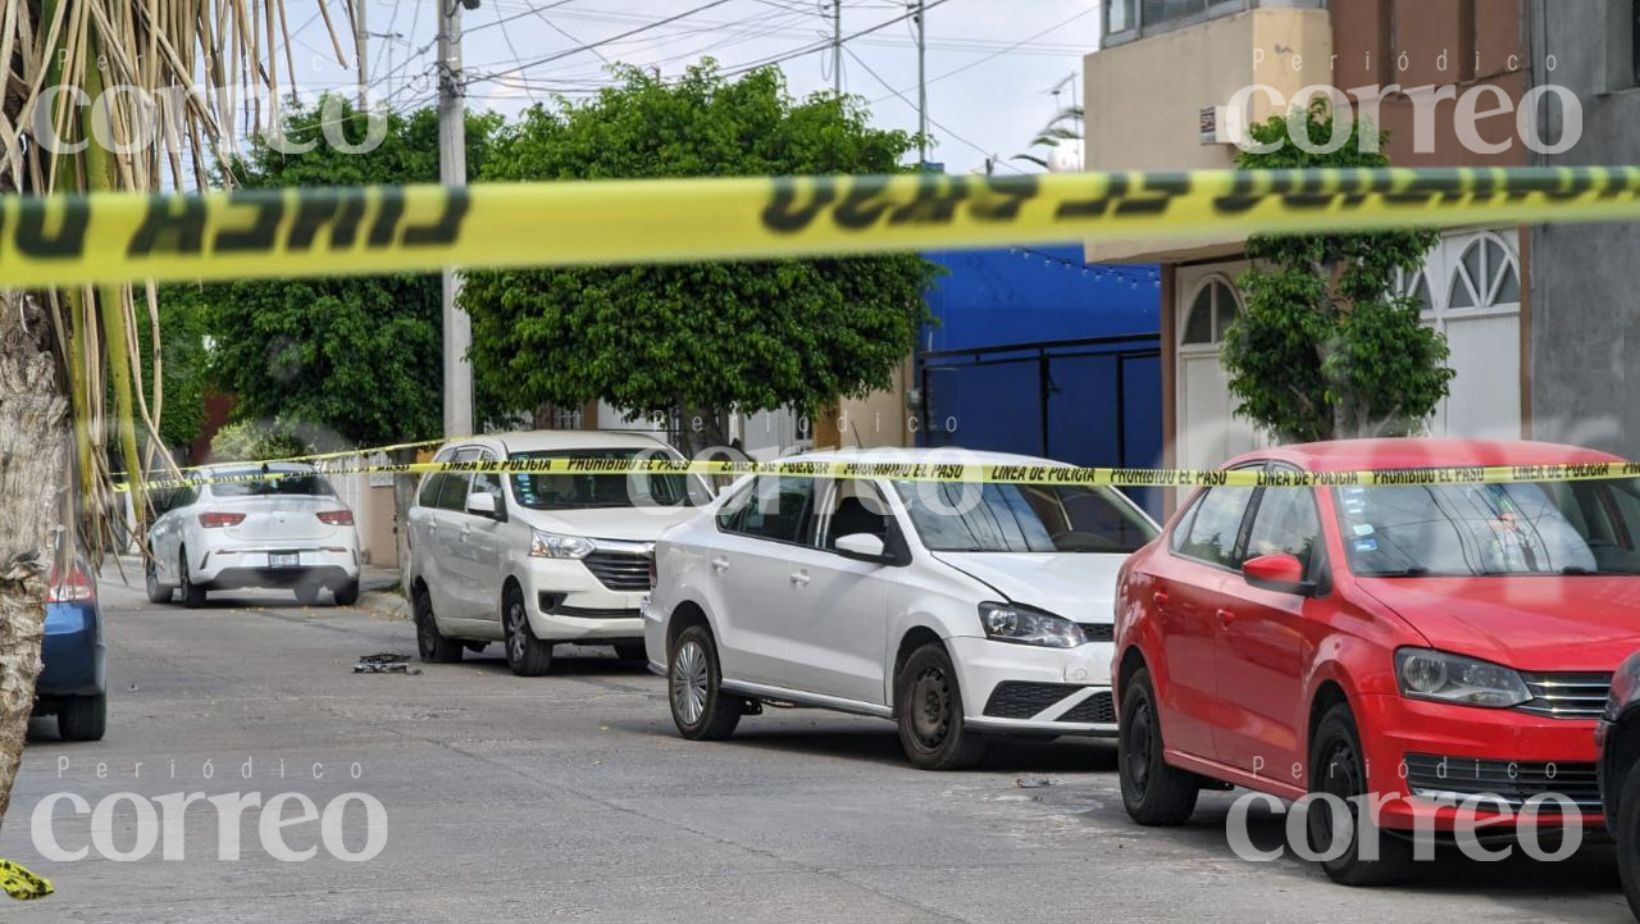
column 1368, row 455
column 557, row 440
column 949, row 455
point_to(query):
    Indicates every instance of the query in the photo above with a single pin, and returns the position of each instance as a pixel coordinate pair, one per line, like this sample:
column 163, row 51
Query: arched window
column 1417, row 287
column 1211, row 312
column 1485, row 277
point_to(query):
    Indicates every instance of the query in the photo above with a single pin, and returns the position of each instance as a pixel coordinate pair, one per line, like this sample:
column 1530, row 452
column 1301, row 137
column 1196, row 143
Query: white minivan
column 533, row 560
column 957, row 609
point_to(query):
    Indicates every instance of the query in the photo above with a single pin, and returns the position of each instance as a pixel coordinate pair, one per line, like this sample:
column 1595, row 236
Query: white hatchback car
column 290, row 531
column 959, row 610
column 534, row 560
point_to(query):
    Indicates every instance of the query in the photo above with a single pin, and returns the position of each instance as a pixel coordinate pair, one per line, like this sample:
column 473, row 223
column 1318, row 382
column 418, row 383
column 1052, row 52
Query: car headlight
column 1007, row 622
column 1449, row 678
column 553, row 545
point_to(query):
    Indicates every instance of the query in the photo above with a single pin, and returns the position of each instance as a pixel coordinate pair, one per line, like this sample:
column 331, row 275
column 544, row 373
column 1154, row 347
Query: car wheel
column 83, row 718
column 1626, row 831
column 157, row 591
column 634, row 652
column 1337, row 768
column 307, row 593
column 527, row 655
column 1153, row 793
column 928, row 711
column 694, row 682
column 431, row 644
column 193, row 595
column 347, row 594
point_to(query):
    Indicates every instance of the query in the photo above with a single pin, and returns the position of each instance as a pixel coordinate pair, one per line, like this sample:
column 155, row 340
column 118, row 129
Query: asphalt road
column 570, row 798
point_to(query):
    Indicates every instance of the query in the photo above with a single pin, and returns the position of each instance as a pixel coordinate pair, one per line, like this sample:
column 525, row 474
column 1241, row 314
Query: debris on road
column 1033, row 782
column 384, row 663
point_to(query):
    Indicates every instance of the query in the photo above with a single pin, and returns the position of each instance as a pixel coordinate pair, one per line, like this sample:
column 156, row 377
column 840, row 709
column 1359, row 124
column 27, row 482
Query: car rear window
column 289, row 485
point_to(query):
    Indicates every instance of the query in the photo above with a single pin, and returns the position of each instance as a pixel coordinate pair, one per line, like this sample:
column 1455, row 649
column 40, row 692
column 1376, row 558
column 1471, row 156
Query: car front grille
column 1567, row 696
column 1099, row 709
column 1098, row 631
column 1015, row 699
column 1512, row 782
column 620, row 570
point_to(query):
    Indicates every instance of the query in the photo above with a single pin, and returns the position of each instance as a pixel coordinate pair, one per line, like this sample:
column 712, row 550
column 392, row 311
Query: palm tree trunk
column 33, row 474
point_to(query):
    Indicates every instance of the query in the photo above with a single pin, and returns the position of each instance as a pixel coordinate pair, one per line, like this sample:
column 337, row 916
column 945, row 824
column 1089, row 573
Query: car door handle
column 720, row 564
column 800, row 578
column 1226, row 617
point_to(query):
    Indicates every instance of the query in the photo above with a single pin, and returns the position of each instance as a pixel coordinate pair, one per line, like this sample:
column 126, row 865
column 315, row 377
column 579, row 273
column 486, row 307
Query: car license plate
column 284, row 560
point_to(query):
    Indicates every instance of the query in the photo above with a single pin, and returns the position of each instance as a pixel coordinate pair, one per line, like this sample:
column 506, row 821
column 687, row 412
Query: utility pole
column 361, row 42
column 922, row 86
column 452, row 144
column 837, row 46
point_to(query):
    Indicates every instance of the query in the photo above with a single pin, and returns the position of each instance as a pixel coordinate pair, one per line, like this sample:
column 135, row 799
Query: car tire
column 1337, row 767
column 157, row 592
column 527, row 655
column 431, row 644
column 193, row 595
column 928, row 712
column 83, row 718
column 307, row 593
column 635, row 653
column 1154, row 794
column 1626, row 831
column 694, row 684
column 347, row 594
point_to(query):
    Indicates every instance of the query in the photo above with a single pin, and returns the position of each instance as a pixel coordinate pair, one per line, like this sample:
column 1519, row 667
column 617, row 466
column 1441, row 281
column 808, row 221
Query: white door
column 752, row 566
column 840, row 627
column 1470, row 291
column 1209, row 432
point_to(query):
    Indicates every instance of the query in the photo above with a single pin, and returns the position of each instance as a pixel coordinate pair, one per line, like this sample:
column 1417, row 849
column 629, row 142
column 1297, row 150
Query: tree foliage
column 655, row 339
column 1323, row 348
column 358, row 359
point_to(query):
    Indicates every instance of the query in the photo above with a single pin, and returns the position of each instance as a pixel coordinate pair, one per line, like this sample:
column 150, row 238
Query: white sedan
column 959, row 610
column 288, row 531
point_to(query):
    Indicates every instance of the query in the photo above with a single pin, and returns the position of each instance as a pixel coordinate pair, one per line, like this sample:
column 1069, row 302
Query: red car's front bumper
column 1421, row 754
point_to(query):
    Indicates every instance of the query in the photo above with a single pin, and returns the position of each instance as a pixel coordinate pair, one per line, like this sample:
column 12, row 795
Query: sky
column 992, row 65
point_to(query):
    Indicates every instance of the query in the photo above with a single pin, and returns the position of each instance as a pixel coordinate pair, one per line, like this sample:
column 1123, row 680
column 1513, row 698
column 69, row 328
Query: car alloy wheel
column 527, row 655
column 689, row 680
column 515, row 630
column 931, row 708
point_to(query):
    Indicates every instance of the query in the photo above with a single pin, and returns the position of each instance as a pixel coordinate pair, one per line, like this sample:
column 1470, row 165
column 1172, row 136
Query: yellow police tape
column 971, row 473
column 21, row 884
column 116, row 237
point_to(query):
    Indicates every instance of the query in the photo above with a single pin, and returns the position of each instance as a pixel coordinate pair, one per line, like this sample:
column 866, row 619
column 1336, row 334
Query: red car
column 1418, row 642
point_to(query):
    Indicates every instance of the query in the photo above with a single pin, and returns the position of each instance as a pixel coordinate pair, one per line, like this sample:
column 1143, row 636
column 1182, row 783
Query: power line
column 890, row 87
column 991, row 57
column 826, row 43
column 588, row 47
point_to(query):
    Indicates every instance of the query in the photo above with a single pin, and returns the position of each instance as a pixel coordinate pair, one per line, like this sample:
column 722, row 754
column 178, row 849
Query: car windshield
column 1007, row 517
column 294, row 485
column 1576, row 528
column 579, row 492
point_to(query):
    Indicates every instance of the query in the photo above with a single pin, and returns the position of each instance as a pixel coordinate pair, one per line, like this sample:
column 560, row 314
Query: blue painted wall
column 1102, row 404
column 996, row 297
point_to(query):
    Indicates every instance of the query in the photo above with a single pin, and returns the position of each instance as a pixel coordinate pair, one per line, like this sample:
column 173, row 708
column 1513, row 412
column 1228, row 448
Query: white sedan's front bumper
column 1033, row 690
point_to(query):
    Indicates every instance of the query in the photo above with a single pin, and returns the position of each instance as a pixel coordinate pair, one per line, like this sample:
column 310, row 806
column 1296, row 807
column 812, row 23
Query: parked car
column 289, row 531
column 1418, row 641
column 957, row 610
column 73, row 680
column 1618, row 737
column 535, row 560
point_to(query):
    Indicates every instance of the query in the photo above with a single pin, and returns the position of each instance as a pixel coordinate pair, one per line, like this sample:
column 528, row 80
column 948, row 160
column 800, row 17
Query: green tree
column 709, row 337
column 1323, row 348
column 358, row 359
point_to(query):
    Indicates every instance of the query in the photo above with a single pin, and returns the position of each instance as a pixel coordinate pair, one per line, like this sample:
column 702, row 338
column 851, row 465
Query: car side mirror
column 862, row 547
column 1280, row 573
column 481, row 503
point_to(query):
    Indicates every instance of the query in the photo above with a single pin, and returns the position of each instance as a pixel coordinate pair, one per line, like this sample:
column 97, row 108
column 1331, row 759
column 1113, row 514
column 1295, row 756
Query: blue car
column 73, row 685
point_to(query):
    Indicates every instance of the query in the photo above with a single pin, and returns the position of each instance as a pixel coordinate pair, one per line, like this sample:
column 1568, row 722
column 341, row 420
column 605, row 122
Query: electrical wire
column 988, row 155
